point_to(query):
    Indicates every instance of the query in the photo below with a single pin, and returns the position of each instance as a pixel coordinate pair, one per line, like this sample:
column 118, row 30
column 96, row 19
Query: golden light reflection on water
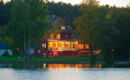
column 71, row 66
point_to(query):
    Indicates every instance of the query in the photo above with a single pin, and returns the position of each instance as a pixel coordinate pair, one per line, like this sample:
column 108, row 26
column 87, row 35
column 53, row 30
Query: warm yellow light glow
column 81, row 46
column 58, row 36
column 97, row 51
column 55, row 45
column 74, row 45
column 73, row 66
column 61, row 45
column 51, row 36
column 44, row 66
column 86, row 46
column 63, row 27
column 67, row 45
column 44, row 45
column 50, row 45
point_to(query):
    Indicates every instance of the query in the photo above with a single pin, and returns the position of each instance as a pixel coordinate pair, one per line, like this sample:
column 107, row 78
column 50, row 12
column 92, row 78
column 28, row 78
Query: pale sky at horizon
column 118, row 3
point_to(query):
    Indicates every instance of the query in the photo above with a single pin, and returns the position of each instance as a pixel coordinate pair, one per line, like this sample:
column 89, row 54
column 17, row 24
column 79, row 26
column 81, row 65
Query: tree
column 94, row 26
column 38, row 18
column 17, row 26
column 105, row 32
column 85, row 24
column 4, row 13
column 122, row 45
column 66, row 11
column 28, row 24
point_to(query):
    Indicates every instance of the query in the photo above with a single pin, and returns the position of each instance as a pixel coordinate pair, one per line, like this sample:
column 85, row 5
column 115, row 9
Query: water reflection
column 65, row 73
column 73, row 66
column 46, row 71
column 46, row 65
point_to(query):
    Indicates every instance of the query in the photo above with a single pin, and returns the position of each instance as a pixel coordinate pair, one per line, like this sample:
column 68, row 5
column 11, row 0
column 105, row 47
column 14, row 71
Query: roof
column 3, row 45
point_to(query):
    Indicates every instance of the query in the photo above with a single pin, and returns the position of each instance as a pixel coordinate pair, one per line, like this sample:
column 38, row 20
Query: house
column 61, row 43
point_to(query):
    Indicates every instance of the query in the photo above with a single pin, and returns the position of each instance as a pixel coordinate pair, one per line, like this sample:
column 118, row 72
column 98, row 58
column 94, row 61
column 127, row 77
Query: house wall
column 66, row 36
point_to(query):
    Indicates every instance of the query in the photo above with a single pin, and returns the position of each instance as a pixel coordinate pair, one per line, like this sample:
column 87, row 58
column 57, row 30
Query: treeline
column 27, row 24
column 103, row 27
column 67, row 11
column 23, row 22
column 5, row 15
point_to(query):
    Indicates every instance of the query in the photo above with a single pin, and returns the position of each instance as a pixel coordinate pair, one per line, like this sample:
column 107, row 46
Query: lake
column 61, row 72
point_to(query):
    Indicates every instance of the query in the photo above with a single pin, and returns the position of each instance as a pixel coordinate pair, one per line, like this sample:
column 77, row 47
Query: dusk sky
column 118, row 3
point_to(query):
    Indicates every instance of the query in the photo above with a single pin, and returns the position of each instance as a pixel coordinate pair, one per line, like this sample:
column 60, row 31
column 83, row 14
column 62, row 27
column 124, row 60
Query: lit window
column 73, row 45
column 53, row 45
column 86, row 46
column 51, row 36
column 58, row 36
column 63, row 27
column 50, row 45
column 67, row 45
column 44, row 45
column 61, row 45
column 81, row 46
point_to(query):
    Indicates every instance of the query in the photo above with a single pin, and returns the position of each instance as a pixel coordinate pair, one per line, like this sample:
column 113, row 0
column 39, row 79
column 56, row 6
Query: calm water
column 61, row 72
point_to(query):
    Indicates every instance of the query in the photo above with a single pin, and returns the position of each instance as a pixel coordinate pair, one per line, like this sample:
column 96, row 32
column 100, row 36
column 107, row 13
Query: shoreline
column 49, row 62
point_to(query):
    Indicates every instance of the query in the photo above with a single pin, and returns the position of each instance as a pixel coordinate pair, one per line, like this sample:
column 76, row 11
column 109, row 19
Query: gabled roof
column 3, row 45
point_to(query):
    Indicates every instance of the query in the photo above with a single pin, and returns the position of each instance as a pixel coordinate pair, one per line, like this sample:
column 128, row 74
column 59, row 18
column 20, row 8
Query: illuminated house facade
column 61, row 43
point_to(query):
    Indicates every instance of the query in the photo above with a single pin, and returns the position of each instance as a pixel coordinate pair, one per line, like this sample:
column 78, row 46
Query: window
column 66, row 36
column 58, row 36
column 86, row 46
column 73, row 45
column 81, row 46
column 67, row 45
column 44, row 45
column 53, row 45
column 50, row 45
column 63, row 27
column 51, row 36
column 61, row 45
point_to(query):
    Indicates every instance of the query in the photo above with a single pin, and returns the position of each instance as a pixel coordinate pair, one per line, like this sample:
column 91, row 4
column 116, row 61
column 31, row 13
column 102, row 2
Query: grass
column 11, row 59
column 52, row 59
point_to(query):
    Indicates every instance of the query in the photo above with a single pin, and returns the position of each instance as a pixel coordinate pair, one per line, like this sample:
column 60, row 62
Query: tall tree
column 105, row 32
column 4, row 13
column 28, row 23
column 85, row 23
column 122, row 45
column 94, row 26
column 17, row 27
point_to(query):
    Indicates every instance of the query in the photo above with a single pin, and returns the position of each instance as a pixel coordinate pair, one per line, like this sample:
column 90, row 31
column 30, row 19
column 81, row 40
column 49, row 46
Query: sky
column 118, row 3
